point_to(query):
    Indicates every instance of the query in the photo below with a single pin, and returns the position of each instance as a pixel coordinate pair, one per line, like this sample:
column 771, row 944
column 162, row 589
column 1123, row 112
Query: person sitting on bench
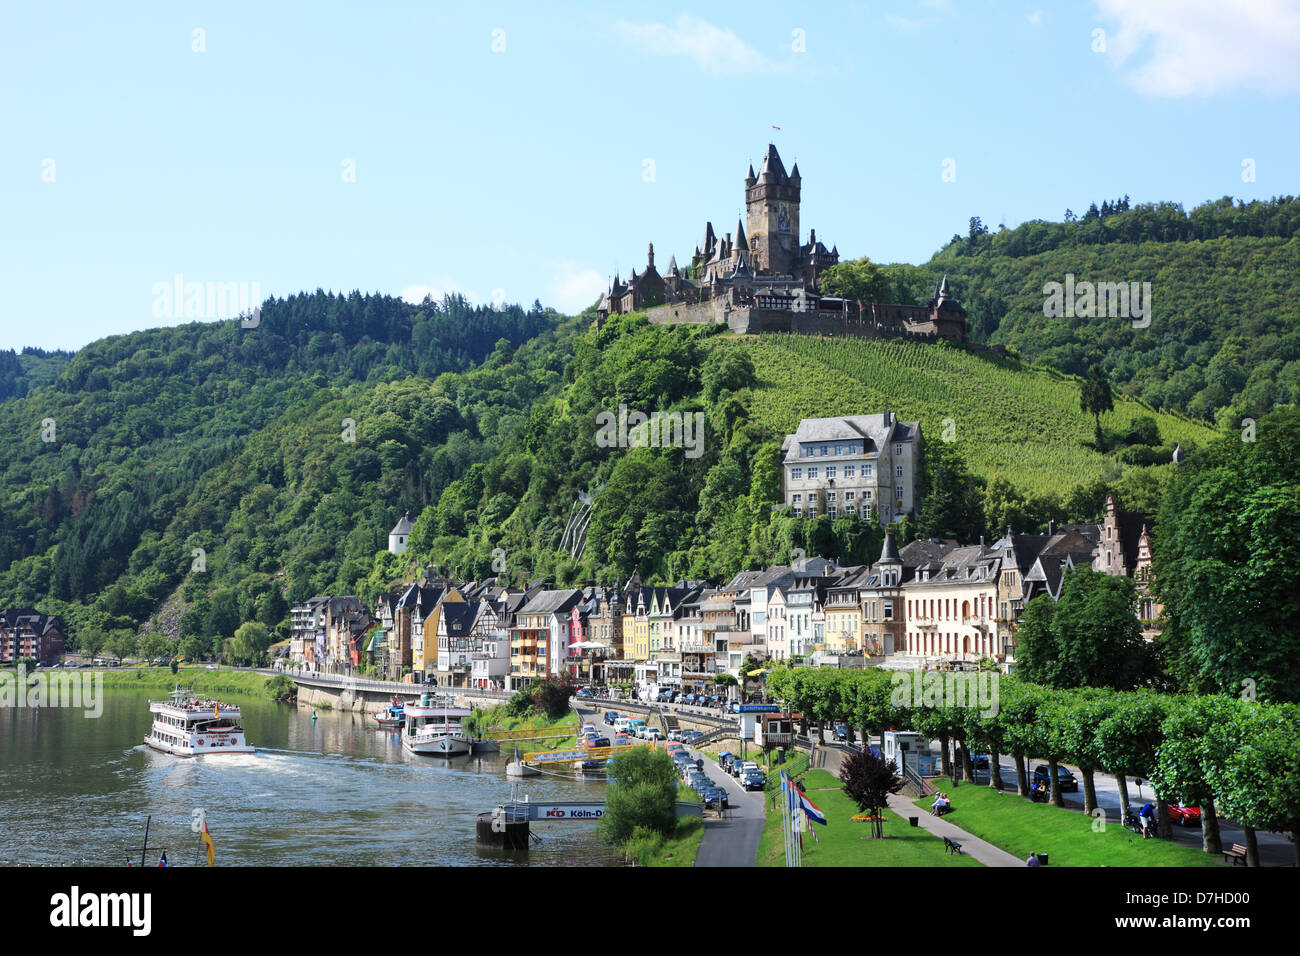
column 941, row 805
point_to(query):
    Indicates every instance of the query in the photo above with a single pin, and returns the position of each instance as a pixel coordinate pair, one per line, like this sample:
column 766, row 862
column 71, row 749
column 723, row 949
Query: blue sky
column 530, row 151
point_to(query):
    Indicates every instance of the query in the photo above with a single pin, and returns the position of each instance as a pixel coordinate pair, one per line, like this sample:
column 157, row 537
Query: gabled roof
column 552, row 602
column 874, row 430
column 404, row 525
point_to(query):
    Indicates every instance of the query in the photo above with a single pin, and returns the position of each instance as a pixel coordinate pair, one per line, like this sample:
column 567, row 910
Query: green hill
column 1021, row 423
column 671, row 515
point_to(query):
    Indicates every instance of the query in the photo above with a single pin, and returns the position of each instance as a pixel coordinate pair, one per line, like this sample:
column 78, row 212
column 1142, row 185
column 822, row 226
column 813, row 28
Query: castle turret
column 772, row 216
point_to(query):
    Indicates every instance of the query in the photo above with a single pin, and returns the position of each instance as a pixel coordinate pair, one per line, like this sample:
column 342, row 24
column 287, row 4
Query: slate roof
column 871, row 429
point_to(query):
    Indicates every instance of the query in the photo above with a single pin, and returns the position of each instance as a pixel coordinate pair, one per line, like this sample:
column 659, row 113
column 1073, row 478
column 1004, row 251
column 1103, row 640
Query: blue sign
column 756, row 709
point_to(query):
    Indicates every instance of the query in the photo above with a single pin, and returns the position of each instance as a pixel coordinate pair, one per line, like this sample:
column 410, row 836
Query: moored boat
column 194, row 725
column 433, row 726
column 394, row 716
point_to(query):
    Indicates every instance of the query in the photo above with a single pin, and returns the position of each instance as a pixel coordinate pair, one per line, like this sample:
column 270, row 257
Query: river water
column 76, row 790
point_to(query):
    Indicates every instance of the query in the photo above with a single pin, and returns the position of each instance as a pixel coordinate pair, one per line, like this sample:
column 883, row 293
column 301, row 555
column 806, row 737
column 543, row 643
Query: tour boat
column 433, row 727
column 192, row 725
column 394, row 717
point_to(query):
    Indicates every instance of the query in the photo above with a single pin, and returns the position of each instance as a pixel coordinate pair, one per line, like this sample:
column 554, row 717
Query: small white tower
column 400, row 533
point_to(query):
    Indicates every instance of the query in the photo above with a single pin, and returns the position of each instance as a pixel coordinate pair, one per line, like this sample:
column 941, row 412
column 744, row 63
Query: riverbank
column 198, row 679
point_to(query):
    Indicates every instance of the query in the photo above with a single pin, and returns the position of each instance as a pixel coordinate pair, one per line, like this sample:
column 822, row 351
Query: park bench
column 1237, row 854
column 951, row 845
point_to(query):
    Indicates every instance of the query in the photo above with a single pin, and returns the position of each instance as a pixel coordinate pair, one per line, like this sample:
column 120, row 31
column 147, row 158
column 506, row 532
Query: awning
column 761, row 670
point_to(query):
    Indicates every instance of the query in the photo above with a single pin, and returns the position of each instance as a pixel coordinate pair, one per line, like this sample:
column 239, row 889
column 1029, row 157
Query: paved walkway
column 732, row 840
column 982, row 850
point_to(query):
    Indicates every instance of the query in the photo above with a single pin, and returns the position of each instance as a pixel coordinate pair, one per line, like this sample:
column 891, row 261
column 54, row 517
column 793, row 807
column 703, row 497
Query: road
column 733, row 839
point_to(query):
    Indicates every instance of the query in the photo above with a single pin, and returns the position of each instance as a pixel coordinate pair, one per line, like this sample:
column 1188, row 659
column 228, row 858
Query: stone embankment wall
column 330, row 698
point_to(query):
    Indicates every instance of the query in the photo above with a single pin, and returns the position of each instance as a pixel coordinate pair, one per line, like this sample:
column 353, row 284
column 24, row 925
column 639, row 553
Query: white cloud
column 1199, row 47
column 714, row 49
column 574, row 288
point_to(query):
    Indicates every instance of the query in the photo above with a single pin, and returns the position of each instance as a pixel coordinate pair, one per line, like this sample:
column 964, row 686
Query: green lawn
column 680, row 848
column 1067, row 836
column 195, row 677
column 843, row 843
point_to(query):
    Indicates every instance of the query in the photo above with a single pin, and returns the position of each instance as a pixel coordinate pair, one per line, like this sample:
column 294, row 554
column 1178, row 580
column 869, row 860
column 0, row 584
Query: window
column 830, row 495
column 848, row 495
column 889, row 610
column 849, row 471
column 830, row 471
column 898, row 491
column 898, row 471
column 795, row 499
column 812, row 471
column 830, row 510
column 796, row 474
column 824, row 451
column 866, row 495
column 839, row 449
column 866, row 471
column 898, row 449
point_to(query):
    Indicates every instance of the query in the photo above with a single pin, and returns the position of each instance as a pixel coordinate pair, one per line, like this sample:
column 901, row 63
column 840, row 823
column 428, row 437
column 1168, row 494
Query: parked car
column 840, row 730
column 1184, row 816
column 584, row 692
column 712, row 796
column 611, row 716
column 980, row 761
column 753, row 779
column 621, row 740
column 725, row 758
column 1066, row 780
column 652, row 733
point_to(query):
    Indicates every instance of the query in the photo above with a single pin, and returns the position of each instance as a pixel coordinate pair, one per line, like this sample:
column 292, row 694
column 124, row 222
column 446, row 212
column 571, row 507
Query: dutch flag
column 810, row 808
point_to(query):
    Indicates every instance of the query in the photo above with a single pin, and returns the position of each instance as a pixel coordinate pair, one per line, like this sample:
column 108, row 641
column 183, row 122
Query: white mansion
column 860, row 465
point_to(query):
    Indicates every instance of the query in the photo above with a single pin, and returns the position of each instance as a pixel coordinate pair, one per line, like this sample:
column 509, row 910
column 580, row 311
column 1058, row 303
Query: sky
column 527, row 151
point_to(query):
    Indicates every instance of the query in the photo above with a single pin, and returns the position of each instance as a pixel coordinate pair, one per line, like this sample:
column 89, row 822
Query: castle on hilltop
column 764, row 280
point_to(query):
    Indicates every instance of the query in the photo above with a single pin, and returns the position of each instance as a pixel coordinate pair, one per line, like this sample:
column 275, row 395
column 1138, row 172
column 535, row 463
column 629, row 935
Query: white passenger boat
column 433, row 726
column 192, row 725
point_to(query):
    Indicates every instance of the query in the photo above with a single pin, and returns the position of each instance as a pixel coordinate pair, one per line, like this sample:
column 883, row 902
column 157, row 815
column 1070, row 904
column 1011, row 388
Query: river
column 77, row 790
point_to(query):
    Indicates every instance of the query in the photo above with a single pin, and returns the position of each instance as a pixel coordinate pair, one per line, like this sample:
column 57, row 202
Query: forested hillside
column 223, row 472
column 283, row 453
column 1023, row 454
column 1224, row 337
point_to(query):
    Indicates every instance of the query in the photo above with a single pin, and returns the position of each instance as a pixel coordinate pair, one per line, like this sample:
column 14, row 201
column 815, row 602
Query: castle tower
column 772, row 216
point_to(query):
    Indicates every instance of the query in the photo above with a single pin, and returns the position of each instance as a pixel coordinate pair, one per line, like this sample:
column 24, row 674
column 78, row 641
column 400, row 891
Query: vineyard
column 1009, row 419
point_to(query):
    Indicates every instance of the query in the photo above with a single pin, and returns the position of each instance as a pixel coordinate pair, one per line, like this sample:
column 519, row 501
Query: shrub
column 642, row 795
column 519, row 705
column 551, row 696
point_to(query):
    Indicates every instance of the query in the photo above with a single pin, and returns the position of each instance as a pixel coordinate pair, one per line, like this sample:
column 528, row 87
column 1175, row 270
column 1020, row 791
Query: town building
column 862, row 466
column 27, row 634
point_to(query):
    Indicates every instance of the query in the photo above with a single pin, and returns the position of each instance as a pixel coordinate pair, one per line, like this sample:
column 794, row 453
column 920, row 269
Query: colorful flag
column 206, row 837
column 162, row 860
column 811, row 809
